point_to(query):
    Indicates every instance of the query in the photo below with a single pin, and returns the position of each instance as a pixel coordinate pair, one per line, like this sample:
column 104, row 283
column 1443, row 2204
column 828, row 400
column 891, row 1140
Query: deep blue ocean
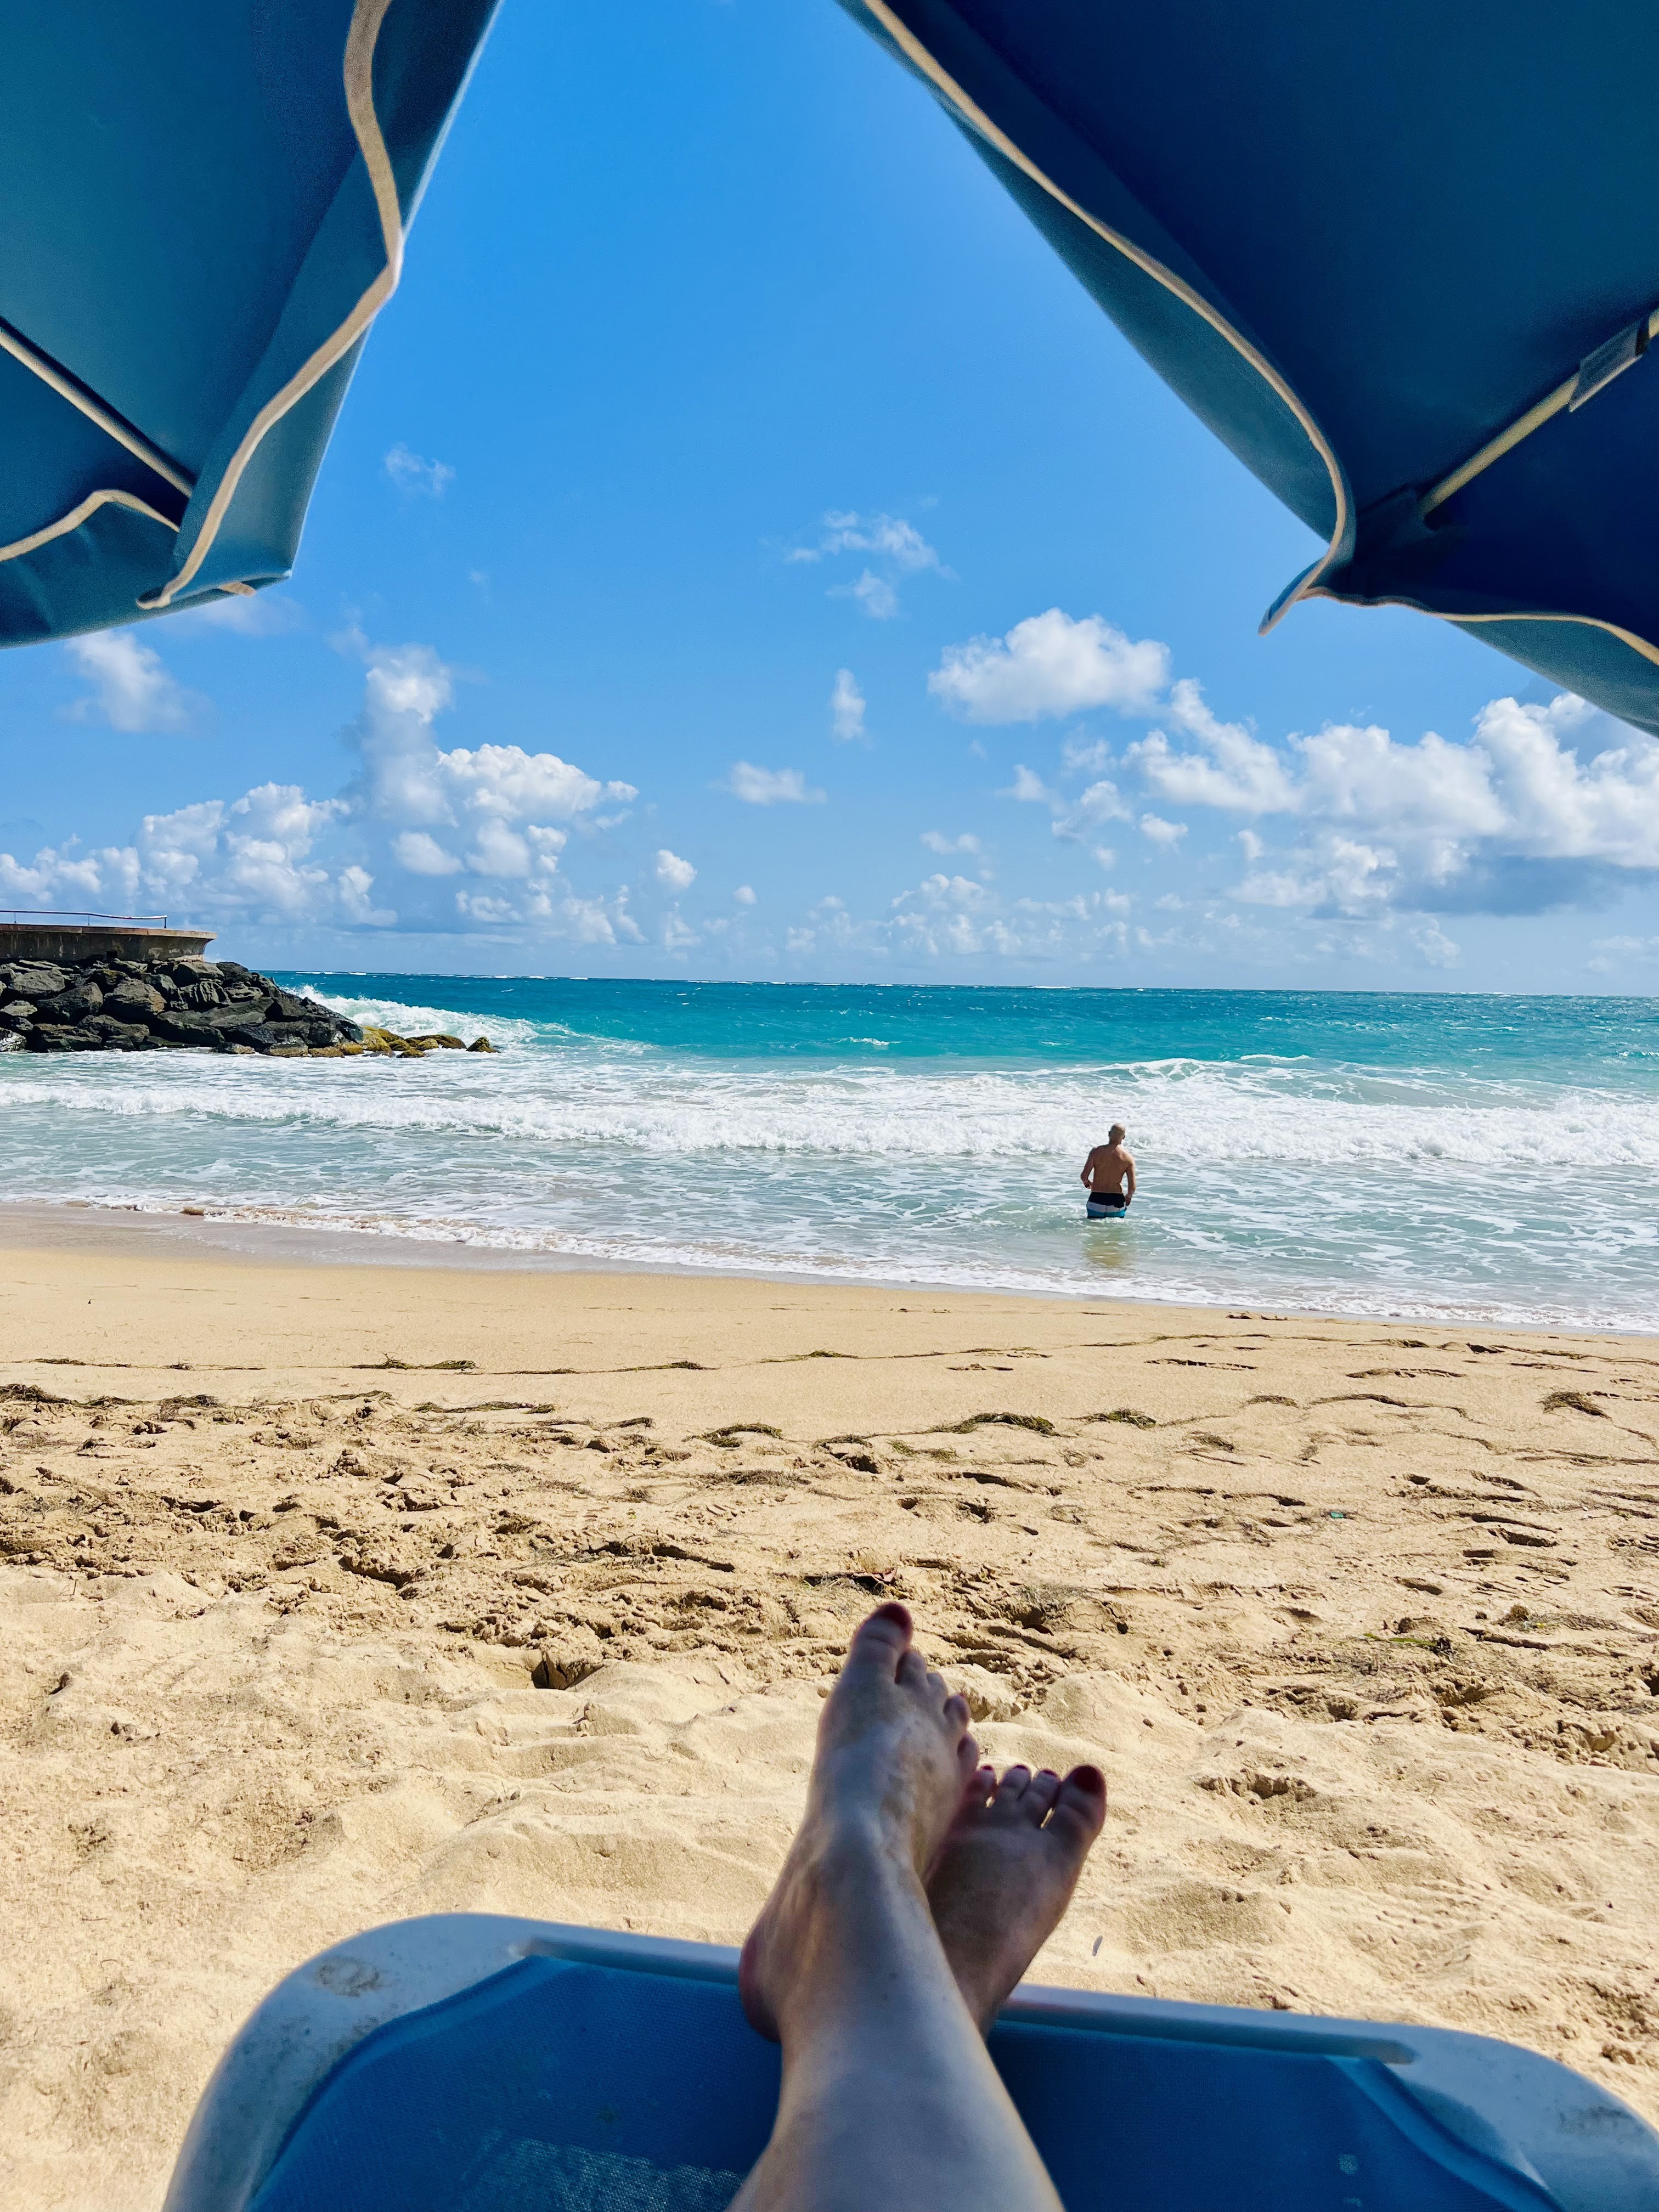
column 1422, row 1157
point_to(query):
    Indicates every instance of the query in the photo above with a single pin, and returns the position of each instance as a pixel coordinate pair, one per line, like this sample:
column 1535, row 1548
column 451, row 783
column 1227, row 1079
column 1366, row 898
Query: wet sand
column 334, row 1593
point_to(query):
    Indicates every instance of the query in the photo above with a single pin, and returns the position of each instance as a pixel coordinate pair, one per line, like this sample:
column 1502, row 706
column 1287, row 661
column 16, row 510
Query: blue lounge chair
column 473, row 2064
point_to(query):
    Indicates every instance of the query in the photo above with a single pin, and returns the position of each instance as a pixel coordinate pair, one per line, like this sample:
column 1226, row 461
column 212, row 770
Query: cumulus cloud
column 679, row 875
column 770, row 787
column 937, row 841
column 744, row 895
column 252, row 858
column 131, row 687
column 846, row 704
column 1050, row 665
column 1153, row 826
column 489, row 825
column 412, row 473
column 408, row 778
column 422, row 855
column 1525, row 814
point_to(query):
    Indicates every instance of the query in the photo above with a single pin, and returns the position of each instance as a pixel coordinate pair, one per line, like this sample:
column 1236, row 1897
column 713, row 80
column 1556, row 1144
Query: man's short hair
column 1117, row 1131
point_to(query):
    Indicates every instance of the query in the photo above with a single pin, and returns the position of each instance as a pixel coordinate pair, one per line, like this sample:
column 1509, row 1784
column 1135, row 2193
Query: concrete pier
column 103, row 939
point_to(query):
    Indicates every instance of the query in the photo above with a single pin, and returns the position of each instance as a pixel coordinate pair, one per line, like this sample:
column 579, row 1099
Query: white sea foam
column 1425, row 1192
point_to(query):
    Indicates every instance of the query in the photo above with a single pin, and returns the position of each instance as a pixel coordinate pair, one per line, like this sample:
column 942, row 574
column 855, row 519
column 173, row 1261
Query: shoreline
column 84, row 1224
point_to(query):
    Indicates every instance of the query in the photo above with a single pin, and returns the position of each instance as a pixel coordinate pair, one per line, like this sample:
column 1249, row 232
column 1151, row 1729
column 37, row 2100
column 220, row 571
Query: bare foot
column 1005, row 1871
column 894, row 1761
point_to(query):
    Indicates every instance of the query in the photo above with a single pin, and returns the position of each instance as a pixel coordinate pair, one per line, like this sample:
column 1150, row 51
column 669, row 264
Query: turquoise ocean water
column 1422, row 1157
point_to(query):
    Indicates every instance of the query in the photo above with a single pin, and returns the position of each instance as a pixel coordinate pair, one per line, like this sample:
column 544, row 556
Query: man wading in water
column 1110, row 1174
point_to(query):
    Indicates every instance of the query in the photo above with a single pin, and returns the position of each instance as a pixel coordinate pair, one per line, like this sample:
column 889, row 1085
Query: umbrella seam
column 1542, row 411
column 81, row 396
column 366, row 18
column 1588, row 621
column 76, row 516
column 975, row 117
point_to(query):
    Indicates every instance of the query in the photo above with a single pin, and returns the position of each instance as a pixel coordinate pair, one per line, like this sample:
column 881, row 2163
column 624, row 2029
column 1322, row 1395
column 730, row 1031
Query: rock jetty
column 183, row 1004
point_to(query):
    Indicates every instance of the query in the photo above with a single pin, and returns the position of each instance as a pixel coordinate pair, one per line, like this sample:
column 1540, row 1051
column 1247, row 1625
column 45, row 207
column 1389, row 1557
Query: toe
column 1079, row 1809
column 956, row 1718
column 1043, row 1788
column 1012, row 1787
column 880, row 1644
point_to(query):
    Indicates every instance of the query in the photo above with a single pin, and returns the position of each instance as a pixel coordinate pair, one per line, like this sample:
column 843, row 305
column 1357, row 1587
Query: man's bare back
column 1109, row 1176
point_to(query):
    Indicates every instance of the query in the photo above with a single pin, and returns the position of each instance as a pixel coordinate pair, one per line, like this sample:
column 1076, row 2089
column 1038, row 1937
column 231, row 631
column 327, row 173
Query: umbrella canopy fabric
column 1401, row 260
column 203, row 206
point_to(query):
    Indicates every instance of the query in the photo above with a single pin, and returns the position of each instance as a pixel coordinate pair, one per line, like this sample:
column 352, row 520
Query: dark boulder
column 118, row 1035
column 130, row 999
column 50, row 1037
column 33, row 979
column 73, row 1005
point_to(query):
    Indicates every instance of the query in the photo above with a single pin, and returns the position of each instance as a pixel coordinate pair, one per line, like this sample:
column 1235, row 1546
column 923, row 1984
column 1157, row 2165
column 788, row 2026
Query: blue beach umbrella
column 202, row 208
column 1402, row 258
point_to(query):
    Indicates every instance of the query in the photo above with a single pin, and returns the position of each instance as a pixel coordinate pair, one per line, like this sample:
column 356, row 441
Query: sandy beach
column 335, row 1593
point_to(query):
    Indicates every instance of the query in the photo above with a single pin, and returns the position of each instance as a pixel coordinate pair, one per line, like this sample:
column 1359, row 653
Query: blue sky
column 747, row 552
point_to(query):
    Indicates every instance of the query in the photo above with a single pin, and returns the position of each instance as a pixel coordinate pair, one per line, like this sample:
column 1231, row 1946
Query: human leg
column 888, row 2095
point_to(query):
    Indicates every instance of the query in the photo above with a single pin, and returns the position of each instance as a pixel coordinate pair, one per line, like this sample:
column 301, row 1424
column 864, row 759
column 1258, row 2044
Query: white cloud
column 1050, row 665
column 937, row 841
column 1084, row 755
column 414, row 474
column 1160, row 831
column 899, row 541
column 424, row 855
column 1235, row 770
column 898, row 548
column 132, row 689
column 770, row 787
column 847, row 705
column 1105, row 857
column 875, row 596
column 408, row 779
column 1435, row 947
column 679, row 875
column 415, row 816
column 1099, row 803
column 676, row 933
column 744, row 895
column 1511, row 819
column 1028, row 786
column 252, row 858
column 498, row 850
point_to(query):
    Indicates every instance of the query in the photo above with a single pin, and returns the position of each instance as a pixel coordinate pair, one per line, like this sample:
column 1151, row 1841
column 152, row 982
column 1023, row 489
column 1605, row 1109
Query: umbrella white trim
column 366, row 17
column 975, row 118
column 77, row 516
column 95, row 410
